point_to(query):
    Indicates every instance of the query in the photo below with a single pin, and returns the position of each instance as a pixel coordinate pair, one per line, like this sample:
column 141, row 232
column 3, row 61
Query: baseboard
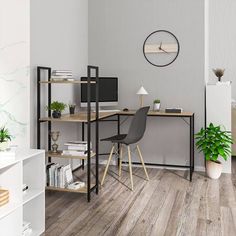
column 200, row 168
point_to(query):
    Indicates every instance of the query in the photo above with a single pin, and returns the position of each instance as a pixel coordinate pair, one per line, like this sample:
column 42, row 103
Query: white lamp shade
column 142, row 91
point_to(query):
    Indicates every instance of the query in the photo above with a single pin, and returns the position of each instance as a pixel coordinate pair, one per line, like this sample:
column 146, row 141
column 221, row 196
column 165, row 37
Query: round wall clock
column 161, row 48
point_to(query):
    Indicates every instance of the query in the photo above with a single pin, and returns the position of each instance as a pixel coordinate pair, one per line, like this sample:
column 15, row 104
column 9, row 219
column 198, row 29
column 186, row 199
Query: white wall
column 222, row 35
column 59, row 39
column 117, row 30
column 14, row 69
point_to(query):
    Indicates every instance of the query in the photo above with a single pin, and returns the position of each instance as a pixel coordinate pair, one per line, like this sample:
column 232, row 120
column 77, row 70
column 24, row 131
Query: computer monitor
column 108, row 92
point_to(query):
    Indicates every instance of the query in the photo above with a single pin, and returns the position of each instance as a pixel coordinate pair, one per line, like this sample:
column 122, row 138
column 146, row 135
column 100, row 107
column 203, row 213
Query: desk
column 183, row 115
column 103, row 116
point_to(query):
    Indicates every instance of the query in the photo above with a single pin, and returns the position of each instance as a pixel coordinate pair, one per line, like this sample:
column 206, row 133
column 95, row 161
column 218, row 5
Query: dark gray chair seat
column 116, row 138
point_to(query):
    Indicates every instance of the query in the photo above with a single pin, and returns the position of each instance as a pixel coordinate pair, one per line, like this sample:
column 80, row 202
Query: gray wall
column 117, row 30
column 59, row 39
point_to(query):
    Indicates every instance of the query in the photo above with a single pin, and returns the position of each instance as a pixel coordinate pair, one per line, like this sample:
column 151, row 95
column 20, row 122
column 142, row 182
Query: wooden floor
column 166, row 205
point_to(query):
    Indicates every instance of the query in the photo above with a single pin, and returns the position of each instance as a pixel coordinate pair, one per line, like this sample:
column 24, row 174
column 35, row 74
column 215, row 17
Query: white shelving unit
column 218, row 111
column 27, row 168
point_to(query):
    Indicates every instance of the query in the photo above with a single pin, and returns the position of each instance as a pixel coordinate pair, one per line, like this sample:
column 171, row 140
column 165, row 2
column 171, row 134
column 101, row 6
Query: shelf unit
column 82, row 118
column 28, row 168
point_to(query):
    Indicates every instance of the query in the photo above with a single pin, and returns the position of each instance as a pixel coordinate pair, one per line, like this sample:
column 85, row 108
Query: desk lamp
column 141, row 92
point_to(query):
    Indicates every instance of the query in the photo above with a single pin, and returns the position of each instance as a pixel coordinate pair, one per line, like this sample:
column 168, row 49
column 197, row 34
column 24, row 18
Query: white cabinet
column 28, row 168
column 218, row 111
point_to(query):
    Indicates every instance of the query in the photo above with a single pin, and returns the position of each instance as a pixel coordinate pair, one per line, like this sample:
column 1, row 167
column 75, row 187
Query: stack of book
column 59, row 176
column 4, row 197
column 76, row 148
column 27, row 230
column 60, row 75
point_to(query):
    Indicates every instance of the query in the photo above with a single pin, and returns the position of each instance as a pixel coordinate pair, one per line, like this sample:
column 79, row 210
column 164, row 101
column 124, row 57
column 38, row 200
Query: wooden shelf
column 78, row 117
column 81, row 190
column 60, row 155
column 66, row 82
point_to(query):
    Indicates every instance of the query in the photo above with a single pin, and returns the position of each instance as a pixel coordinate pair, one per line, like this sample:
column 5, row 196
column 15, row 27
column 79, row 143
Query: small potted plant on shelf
column 156, row 105
column 214, row 143
column 72, row 108
column 57, row 108
column 5, row 137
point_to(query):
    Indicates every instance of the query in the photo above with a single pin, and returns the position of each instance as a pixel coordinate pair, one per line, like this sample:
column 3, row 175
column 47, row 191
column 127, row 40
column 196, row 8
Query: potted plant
column 72, row 108
column 57, row 108
column 4, row 138
column 156, row 105
column 214, row 142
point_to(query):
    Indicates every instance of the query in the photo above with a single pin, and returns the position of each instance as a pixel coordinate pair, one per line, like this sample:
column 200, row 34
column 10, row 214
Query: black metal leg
column 83, row 140
column 38, row 108
column 191, row 146
column 97, row 131
column 118, row 145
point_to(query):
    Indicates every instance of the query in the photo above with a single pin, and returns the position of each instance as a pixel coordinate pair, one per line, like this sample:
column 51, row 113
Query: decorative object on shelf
column 214, row 142
column 4, row 197
column 156, row 105
column 57, row 108
column 61, row 75
column 72, row 108
column 219, row 73
column 54, row 136
column 5, row 137
column 161, row 48
column 141, row 92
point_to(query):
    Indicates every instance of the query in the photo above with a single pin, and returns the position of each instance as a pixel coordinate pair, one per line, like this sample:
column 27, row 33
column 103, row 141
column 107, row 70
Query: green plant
column 157, row 101
column 214, row 142
column 57, row 106
column 4, row 135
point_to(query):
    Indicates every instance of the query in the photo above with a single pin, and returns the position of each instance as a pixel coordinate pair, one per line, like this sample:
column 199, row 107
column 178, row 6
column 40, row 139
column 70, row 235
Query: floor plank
column 167, row 205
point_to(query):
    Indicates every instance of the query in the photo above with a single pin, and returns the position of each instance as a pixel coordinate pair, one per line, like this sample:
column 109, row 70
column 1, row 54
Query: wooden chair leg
column 130, row 169
column 141, row 159
column 108, row 163
column 120, row 160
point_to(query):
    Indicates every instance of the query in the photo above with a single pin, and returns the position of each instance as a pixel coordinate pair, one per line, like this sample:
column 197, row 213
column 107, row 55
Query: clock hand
column 160, row 46
column 164, row 50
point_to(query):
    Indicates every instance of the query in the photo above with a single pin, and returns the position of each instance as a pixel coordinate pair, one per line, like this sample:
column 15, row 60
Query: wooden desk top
column 158, row 113
column 82, row 116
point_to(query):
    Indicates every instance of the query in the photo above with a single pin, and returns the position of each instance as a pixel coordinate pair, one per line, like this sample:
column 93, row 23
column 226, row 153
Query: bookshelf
column 82, row 118
column 29, row 206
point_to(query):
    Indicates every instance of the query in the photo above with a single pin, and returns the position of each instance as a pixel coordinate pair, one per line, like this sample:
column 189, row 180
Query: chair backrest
column 137, row 126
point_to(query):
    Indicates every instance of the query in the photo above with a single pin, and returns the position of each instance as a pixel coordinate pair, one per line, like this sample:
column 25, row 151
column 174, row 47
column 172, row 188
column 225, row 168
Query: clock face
column 161, row 48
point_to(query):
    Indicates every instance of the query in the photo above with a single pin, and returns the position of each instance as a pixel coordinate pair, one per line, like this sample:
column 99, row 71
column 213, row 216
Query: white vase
column 213, row 169
column 156, row 106
column 3, row 146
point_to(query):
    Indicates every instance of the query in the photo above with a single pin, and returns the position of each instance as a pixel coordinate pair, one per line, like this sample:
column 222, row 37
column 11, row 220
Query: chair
column 135, row 134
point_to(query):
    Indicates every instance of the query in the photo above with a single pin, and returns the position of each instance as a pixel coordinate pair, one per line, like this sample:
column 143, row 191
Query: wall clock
column 161, row 48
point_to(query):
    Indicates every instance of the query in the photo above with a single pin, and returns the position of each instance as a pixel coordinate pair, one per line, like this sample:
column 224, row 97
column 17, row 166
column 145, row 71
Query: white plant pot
column 213, row 169
column 3, row 146
column 156, row 106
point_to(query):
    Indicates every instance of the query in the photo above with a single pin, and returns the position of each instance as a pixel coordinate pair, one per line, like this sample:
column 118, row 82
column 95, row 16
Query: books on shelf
column 4, row 197
column 74, row 153
column 78, row 145
column 62, row 75
column 59, row 176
